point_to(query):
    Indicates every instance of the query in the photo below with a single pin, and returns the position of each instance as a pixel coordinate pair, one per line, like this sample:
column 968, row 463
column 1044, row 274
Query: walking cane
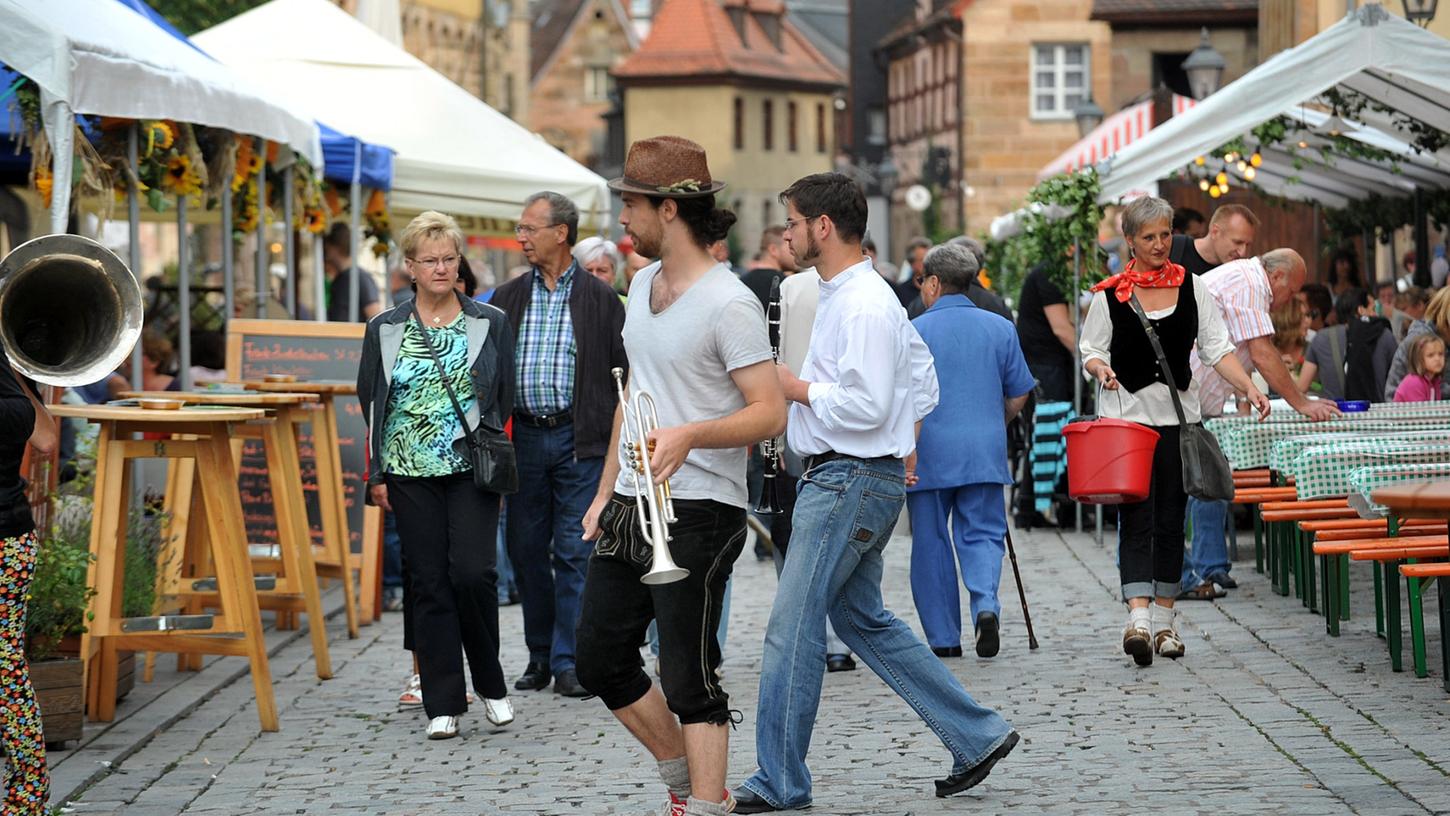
column 1027, row 616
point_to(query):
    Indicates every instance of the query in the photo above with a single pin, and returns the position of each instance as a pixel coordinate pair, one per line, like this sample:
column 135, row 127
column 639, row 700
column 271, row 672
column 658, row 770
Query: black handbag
column 1206, row 471
column 490, row 452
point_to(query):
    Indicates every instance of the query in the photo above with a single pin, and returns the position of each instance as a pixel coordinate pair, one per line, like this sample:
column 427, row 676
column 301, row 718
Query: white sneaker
column 498, row 712
column 442, row 728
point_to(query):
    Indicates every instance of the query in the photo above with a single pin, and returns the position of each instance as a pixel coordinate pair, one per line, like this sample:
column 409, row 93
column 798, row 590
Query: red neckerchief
column 1168, row 275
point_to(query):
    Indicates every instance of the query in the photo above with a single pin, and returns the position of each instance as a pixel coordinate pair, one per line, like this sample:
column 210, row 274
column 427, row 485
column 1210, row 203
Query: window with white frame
column 597, row 83
column 1060, row 79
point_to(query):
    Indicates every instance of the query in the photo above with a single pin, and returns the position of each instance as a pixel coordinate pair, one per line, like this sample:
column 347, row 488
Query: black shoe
column 947, row 651
column 956, row 783
column 567, row 684
column 535, row 677
column 748, row 801
column 1224, row 580
column 840, row 662
column 988, row 643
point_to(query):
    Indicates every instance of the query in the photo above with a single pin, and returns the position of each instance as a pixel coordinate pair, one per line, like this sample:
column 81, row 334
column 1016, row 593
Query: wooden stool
column 295, row 586
column 225, row 536
column 337, row 561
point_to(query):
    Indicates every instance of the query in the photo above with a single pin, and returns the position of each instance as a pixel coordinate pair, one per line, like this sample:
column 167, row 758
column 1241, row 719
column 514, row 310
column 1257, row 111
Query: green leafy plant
column 1046, row 239
column 58, row 593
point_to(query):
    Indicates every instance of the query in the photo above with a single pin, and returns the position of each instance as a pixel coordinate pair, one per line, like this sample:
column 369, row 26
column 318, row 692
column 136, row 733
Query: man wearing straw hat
column 697, row 343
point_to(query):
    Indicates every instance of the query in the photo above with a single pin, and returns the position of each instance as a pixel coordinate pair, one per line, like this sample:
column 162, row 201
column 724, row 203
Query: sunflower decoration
column 181, row 177
column 309, row 206
column 248, row 164
column 378, row 227
column 160, row 135
column 44, row 184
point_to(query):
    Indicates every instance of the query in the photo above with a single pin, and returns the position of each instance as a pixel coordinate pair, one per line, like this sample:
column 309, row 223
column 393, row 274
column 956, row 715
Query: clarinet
column 770, row 449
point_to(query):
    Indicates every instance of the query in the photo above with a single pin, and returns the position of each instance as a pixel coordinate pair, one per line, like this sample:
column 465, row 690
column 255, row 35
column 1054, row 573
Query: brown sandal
column 1205, row 591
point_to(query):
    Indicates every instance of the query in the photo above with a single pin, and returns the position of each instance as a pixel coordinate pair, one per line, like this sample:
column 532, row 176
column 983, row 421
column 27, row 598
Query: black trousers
column 448, row 529
column 1150, row 532
column 616, row 608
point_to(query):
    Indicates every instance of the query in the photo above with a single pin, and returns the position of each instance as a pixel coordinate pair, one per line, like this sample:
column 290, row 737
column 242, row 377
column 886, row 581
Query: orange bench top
column 1400, row 553
column 1371, row 532
column 1355, row 544
column 1310, row 513
column 1257, row 495
column 1441, row 570
column 1327, row 525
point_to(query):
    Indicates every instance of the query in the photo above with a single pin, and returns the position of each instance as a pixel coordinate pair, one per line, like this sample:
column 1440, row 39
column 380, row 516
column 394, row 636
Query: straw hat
column 667, row 166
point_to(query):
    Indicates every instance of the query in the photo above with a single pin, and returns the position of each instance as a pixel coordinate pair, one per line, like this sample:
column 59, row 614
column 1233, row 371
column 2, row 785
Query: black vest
column 1132, row 355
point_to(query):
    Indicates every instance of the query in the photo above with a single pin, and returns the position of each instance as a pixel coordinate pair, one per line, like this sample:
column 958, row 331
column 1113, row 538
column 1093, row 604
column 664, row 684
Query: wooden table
column 209, row 432
column 1423, row 500
column 332, row 500
column 187, row 574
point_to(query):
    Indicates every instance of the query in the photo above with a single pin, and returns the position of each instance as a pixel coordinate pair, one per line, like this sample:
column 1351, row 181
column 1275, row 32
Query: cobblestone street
column 1265, row 714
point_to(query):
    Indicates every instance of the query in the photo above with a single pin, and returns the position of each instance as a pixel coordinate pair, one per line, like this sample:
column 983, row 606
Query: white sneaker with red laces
column 676, row 805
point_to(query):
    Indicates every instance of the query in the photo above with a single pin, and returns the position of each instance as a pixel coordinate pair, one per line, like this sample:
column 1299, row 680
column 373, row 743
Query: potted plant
column 57, row 610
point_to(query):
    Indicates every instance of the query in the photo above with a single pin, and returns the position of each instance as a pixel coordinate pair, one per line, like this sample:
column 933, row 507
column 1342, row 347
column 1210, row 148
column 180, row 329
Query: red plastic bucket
column 1109, row 461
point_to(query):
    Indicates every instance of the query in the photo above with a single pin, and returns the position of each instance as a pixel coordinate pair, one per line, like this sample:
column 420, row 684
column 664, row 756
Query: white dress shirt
column 1153, row 404
column 799, row 295
column 871, row 375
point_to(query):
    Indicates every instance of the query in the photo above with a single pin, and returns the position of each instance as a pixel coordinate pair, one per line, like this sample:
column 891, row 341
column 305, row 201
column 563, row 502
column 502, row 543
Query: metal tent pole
column 289, row 243
column 133, row 251
column 229, row 280
column 263, row 290
column 319, row 282
column 1076, row 353
column 183, row 293
column 355, row 202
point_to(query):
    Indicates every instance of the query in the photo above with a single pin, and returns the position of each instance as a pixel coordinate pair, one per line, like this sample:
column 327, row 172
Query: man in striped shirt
column 1246, row 291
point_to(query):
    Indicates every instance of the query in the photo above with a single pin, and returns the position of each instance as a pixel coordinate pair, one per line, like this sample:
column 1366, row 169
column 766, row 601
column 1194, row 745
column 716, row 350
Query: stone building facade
column 576, row 45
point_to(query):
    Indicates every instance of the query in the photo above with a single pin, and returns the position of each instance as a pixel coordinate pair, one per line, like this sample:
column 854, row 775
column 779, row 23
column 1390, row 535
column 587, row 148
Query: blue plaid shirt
column 546, row 349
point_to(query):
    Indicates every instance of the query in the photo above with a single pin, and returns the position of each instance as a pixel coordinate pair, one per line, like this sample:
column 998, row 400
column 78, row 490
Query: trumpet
column 770, row 449
column 652, row 502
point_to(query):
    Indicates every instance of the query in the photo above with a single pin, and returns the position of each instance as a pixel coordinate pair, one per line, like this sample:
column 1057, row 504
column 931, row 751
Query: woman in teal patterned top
column 418, row 468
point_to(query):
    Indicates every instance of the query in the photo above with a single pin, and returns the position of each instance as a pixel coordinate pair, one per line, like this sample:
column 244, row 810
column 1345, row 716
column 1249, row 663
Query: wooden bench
column 1255, row 496
column 1392, row 556
column 1424, row 573
column 1289, row 550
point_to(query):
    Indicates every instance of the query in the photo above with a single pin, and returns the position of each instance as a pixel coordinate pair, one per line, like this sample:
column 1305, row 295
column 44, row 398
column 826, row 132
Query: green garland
column 1043, row 239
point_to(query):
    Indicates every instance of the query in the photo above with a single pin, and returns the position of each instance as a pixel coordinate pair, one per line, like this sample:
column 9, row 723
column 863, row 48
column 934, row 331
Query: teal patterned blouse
column 421, row 423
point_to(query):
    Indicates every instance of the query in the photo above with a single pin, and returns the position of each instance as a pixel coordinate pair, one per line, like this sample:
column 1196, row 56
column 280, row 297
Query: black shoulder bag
column 490, row 453
column 1206, row 472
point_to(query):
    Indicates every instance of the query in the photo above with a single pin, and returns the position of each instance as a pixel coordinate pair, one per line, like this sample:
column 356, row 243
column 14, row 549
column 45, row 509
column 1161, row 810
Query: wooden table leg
column 236, row 588
column 106, row 572
column 295, row 541
column 332, row 505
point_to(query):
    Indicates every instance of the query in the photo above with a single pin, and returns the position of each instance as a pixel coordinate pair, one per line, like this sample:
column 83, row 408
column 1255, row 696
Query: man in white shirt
column 866, row 383
column 697, row 344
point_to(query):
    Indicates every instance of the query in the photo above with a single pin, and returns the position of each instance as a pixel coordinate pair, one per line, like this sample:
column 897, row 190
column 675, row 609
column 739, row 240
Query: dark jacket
column 17, row 422
column 598, row 319
column 490, row 363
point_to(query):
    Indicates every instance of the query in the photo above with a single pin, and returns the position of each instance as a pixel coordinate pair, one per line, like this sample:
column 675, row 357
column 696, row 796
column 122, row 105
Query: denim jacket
column 490, row 364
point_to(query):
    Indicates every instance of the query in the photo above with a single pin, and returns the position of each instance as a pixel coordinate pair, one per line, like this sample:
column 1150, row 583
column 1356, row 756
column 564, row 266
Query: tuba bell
column 70, row 310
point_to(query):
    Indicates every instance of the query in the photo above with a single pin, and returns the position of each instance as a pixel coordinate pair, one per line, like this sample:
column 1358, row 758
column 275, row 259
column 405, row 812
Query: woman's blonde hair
column 429, row 226
column 1417, row 348
column 1437, row 314
column 1288, row 327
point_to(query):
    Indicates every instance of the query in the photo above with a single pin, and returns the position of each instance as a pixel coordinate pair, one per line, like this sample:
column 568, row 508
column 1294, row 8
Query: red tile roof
column 696, row 39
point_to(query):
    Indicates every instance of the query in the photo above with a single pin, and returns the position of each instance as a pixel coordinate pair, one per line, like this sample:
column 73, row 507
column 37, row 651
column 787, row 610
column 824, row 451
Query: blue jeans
column 978, row 533
column 1209, row 554
column 543, row 532
column 844, row 514
column 505, row 567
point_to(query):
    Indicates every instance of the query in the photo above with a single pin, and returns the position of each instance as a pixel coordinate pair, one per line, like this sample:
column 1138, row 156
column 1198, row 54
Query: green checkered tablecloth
column 1379, row 411
column 1284, row 451
column 1249, row 446
column 1363, row 481
column 1323, row 470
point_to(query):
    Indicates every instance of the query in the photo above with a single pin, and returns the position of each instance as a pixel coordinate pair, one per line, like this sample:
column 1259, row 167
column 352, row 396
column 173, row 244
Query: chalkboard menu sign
column 312, row 352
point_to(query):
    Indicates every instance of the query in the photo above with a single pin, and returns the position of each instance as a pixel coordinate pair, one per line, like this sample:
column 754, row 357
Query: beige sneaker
column 442, row 728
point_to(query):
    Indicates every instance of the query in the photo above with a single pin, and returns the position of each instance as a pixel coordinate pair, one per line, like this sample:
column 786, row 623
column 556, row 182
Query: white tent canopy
column 454, row 153
column 1369, row 53
column 102, row 58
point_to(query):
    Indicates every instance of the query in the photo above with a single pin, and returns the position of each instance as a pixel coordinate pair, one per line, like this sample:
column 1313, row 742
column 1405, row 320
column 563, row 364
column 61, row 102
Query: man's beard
column 812, row 254
column 649, row 247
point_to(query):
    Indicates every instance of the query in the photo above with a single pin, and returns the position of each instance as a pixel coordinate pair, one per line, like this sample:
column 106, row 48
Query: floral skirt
column 26, row 779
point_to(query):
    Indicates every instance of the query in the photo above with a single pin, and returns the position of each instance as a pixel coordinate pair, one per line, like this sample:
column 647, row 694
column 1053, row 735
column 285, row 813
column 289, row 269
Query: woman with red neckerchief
column 1116, row 352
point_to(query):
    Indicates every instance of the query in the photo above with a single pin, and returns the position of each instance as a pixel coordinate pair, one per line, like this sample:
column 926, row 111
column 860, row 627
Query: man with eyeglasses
column 567, row 328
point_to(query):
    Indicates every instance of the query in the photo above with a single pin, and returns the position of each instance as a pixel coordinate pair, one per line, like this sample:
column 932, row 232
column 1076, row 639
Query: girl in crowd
column 1427, row 364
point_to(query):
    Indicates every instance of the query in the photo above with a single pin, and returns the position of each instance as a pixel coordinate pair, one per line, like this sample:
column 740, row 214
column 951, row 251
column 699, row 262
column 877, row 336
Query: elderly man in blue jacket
column 961, row 456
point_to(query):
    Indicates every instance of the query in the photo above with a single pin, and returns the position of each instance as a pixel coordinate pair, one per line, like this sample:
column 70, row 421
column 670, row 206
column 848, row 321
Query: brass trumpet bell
column 70, row 310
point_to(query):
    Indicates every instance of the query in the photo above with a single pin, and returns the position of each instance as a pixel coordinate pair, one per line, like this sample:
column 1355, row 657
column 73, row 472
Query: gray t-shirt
column 683, row 357
column 1328, row 350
